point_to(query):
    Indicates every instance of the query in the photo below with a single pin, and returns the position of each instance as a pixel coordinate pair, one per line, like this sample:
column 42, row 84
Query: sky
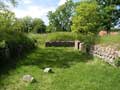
column 37, row 8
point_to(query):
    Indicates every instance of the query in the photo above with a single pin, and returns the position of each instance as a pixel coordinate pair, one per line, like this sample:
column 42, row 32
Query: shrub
column 13, row 44
column 2, row 44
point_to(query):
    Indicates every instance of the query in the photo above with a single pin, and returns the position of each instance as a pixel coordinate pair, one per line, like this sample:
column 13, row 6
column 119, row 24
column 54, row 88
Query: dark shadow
column 47, row 57
column 55, row 57
column 12, row 63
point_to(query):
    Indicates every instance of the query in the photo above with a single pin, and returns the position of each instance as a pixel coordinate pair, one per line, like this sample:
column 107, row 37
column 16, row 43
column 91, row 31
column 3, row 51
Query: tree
column 109, row 13
column 7, row 17
column 38, row 26
column 86, row 18
column 27, row 24
column 60, row 20
column 19, row 25
column 23, row 24
column 6, row 20
column 6, row 3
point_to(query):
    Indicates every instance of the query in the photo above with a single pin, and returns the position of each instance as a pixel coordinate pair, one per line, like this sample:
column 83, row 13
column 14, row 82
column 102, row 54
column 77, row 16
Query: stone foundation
column 60, row 44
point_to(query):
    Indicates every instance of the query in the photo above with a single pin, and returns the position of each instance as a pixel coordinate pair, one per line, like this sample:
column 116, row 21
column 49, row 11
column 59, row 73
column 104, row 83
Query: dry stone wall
column 106, row 53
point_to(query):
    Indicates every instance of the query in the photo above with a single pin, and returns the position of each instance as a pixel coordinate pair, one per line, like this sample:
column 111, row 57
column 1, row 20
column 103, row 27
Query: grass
column 64, row 36
column 110, row 40
column 72, row 69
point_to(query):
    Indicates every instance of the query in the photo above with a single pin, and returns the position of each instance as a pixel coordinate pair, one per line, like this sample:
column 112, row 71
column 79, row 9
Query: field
column 72, row 70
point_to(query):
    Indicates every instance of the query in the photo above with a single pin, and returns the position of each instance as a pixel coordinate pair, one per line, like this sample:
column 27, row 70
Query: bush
column 13, row 44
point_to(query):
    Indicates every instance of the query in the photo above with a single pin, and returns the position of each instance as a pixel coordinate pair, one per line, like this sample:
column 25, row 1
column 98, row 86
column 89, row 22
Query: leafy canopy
column 86, row 18
column 60, row 20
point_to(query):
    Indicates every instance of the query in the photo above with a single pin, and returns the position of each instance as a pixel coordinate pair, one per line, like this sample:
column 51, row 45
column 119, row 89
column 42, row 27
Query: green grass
column 72, row 69
column 110, row 40
column 63, row 36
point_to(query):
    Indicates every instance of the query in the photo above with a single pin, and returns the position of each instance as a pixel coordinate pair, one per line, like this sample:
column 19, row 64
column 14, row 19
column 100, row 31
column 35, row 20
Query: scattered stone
column 28, row 78
column 48, row 70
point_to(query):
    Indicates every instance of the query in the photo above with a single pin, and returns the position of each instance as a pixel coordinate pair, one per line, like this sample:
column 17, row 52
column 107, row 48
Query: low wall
column 60, row 44
column 106, row 53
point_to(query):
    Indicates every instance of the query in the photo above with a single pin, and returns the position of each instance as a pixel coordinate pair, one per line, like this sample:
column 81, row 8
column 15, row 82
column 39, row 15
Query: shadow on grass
column 47, row 57
column 55, row 57
column 13, row 62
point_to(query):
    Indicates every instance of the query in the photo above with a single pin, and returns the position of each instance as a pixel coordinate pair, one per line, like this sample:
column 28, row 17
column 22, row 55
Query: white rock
column 47, row 70
column 28, row 78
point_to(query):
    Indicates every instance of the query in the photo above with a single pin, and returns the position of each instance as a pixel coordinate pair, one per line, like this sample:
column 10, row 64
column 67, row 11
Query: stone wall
column 60, row 44
column 106, row 53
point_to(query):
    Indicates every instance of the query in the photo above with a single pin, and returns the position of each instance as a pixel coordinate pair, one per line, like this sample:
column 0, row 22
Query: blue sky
column 37, row 8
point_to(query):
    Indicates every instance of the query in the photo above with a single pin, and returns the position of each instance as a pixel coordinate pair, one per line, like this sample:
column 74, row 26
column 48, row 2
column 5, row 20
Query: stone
column 82, row 47
column 77, row 42
column 28, row 78
column 118, row 53
column 48, row 70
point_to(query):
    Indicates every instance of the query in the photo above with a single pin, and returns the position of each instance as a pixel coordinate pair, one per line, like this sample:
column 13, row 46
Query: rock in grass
column 47, row 70
column 28, row 78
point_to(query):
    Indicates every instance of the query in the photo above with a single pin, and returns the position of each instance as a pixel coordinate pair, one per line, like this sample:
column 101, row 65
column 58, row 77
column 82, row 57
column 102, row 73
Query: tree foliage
column 38, row 26
column 109, row 13
column 86, row 18
column 6, row 19
column 60, row 20
column 93, row 15
column 28, row 24
column 6, row 3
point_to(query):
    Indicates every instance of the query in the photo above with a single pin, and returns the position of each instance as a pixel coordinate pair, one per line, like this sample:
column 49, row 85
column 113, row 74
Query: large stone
column 83, row 48
column 48, row 70
column 77, row 42
column 28, row 78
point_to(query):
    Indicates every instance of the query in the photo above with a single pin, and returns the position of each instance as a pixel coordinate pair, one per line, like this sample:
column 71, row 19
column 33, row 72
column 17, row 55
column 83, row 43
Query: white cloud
column 27, row 1
column 61, row 2
column 34, row 11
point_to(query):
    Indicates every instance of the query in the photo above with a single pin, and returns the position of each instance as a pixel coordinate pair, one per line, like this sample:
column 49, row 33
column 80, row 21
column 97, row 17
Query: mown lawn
column 73, row 70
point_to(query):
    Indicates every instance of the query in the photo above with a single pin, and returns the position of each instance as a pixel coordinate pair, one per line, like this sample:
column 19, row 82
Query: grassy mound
column 64, row 36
